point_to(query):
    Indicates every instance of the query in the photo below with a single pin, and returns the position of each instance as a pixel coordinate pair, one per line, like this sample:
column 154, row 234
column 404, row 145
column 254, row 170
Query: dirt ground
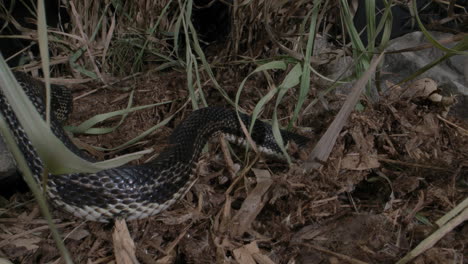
column 397, row 167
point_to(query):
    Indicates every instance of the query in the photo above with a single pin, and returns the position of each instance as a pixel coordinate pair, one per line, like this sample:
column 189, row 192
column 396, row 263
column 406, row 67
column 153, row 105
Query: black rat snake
column 133, row 191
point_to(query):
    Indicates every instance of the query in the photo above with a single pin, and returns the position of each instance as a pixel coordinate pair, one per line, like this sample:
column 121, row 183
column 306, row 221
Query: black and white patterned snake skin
column 133, row 191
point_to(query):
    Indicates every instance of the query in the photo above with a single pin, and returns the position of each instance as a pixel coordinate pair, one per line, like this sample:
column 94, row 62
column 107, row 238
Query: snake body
column 134, row 191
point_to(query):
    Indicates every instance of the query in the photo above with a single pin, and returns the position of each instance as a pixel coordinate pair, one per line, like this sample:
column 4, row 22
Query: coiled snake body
column 138, row 191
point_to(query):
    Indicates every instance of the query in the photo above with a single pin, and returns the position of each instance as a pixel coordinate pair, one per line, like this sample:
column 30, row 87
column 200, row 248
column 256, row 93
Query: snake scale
column 133, row 191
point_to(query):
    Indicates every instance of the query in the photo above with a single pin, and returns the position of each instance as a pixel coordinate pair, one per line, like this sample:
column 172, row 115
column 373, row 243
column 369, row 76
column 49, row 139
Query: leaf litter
column 396, row 168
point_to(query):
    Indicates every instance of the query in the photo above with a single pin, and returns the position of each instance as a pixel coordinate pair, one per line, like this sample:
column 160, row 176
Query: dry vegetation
column 397, row 167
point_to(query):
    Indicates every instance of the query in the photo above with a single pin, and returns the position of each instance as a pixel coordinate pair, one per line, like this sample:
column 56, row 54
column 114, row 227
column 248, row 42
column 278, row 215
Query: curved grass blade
column 431, row 39
column 462, row 45
column 139, row 137
column 291, row 80
column 59, row 161
column 87, row 126
column 206, row 65
column 273, row 65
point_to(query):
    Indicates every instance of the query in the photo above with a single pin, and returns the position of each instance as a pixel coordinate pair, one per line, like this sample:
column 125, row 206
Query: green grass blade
column 385, row 24
column 139, row 58
column 38, row 194
column 273, row 65
column 44, row 51
column 371, row 30
column 361, row 56
column 139, row 137
column 59, row 161
column 462, row 45
column 291, row 80
column 87, row 126
column 431, row 39
column 206, row 66
column 305, row 79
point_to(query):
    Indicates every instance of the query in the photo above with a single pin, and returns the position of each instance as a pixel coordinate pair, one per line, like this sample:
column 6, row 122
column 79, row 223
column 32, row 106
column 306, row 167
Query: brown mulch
column 397, row 167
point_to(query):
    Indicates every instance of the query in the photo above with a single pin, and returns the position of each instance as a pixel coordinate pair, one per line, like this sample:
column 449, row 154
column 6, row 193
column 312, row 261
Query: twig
column 453, row 124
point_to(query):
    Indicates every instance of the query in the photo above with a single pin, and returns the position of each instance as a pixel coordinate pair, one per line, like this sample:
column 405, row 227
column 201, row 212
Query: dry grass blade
column 431, row 240
column 322, row 150
column 124, row 247
column 86, row 44
column 253, row 204
column 250, row 253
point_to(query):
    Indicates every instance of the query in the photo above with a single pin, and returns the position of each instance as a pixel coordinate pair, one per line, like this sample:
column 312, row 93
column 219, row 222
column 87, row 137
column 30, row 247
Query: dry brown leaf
column 420, row 88
column 364, row 143
column 406, row 184
column 250, row 253
column 124, row 247
column 243, row 256
column 394, row 91
column 359, row 162
column 78, row 234
column 30, row 243
column 430, row 127
column 257, row 254
column 169, row 259
column 5, row 261
column 253, row 204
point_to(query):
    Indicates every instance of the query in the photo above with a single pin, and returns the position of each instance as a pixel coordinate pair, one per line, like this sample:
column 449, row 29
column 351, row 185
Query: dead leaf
column 259, row 257
column 243, row 256
column 420, row 88
column 28, row 243
column 5, row 261
column 406, row 184
column 250, row 253
column 253, row 204
column 168, row 259
column 359, row 162
column 430, row 127
column 78, row 234
column 394, row 91
column 364, row 143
